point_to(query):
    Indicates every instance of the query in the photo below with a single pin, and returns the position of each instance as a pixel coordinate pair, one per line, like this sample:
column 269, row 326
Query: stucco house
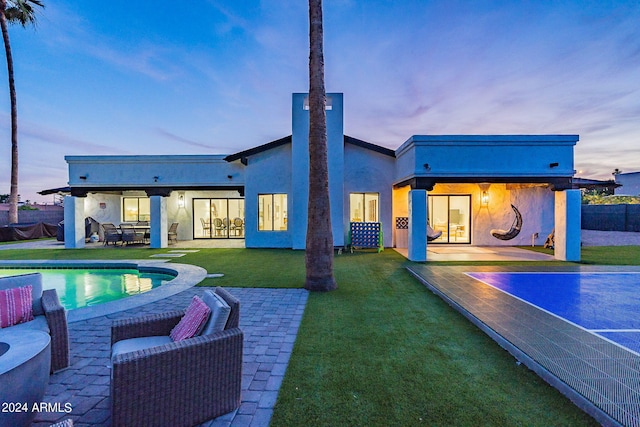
column 629, row 184
column 464, row 188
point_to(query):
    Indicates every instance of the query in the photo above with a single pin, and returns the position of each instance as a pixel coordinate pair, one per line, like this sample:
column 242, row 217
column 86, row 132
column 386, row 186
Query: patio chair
column 173, row 232
column 178, row 383
column 238, row 226
column 111, row 234
column 130, row 234
column 143, row 226
column 433, row 234
column 220, row 227
column 206, row 228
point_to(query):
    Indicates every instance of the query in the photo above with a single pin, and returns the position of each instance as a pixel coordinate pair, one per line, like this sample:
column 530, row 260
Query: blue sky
column 211, row 77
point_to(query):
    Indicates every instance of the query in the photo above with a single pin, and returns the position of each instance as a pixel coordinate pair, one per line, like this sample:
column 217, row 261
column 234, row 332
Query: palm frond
column 22, row 11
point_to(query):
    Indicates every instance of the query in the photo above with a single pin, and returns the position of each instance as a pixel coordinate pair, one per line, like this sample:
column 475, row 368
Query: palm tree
column 22, row 12
column 319, row 245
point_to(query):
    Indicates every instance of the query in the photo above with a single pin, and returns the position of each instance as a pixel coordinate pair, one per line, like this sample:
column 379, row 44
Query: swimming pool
column 82, row 287
column 604, row 303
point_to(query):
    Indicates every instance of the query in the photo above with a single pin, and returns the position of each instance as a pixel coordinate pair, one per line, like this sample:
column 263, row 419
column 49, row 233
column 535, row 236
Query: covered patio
column 196, row 192
column 467, row 188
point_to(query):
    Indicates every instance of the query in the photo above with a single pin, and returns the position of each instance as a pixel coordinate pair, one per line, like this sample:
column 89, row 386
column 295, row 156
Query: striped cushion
column 15, row 306
column 193, row 320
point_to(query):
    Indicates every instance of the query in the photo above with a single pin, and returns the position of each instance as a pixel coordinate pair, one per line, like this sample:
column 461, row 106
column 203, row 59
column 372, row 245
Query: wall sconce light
column 83, row 177
column 484, row 198
column 229, row 176
column 554, row 165
column 156, row 178
column 484, row 193
column 181, row 200
column 427, row 167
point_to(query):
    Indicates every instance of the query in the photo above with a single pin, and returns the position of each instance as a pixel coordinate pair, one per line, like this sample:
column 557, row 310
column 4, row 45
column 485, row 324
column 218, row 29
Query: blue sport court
column 604, row 303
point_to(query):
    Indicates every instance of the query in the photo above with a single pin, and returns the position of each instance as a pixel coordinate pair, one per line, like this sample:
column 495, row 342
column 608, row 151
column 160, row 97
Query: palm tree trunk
column 319, row 244
column 13, row 195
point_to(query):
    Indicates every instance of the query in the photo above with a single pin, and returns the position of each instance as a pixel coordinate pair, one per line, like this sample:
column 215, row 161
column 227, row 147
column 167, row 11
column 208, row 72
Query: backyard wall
column 611, row 217
column 49, row 216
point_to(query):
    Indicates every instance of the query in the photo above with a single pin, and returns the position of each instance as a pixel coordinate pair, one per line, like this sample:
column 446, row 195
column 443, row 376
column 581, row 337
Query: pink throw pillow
column 193, row 320
column 15, row 306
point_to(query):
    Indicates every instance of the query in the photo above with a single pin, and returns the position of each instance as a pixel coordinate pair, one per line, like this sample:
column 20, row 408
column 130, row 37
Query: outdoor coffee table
column 25, row 360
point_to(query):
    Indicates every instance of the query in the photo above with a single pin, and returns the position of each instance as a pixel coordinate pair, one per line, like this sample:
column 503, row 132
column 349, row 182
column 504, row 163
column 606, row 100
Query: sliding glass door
column 451, row 214
column 218, row 218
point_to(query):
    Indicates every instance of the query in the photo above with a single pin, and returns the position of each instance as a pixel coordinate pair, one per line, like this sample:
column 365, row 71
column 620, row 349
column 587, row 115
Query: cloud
column 78, row 36
column 56, row 137
column 172, row 137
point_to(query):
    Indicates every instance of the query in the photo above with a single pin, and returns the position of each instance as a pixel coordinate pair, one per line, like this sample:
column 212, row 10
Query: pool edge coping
column 186, row 276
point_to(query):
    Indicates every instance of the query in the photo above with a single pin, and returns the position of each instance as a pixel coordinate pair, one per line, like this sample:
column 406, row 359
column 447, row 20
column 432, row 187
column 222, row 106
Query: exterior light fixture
column 484, row 198
column 554, row 165
column 156, row 178
column 83, row 177
column 484, row 193
column 181, row 200
column 427, row 167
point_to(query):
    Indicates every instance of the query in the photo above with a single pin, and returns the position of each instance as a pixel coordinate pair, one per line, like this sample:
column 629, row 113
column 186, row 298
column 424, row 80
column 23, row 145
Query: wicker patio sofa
column 49, row 316
column 182, row 383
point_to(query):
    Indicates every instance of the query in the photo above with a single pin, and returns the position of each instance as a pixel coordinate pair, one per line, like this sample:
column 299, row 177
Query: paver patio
column 269, row 318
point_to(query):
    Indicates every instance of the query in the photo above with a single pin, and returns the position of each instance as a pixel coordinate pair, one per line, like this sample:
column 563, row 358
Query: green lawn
column 382, row 349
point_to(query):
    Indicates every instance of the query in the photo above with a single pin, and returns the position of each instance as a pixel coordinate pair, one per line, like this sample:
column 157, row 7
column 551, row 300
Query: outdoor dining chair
column 173, row 232
column 130, row 234
column 238, row 226
column 111, row 234
column 206, row 228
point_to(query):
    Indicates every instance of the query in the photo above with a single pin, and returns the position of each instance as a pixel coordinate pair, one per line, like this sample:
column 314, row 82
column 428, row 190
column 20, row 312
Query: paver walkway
column 269, row 319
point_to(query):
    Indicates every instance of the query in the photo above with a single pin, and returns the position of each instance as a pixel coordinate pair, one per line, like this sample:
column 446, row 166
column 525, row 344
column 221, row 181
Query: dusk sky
column 216, row 77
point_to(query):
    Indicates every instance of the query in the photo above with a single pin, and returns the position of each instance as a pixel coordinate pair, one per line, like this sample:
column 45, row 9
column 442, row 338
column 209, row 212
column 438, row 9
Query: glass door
column 451, row 214
column 218, row 218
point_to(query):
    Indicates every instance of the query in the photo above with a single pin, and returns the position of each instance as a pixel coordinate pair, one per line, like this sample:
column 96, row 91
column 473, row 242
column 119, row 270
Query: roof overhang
column 427, row 183
column 165, row 191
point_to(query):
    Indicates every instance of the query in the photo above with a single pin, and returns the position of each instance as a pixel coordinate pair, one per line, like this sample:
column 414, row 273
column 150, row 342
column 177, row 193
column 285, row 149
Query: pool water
column 605, row 303
column 85, row 287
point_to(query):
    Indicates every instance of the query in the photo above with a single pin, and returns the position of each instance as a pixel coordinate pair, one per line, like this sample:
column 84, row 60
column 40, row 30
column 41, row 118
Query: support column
column 159, row 226
column 418, row 225
column 74, row 232
column 567, row 225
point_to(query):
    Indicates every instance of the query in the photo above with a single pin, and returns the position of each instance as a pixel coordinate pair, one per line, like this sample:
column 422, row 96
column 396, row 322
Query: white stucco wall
column 266, row 173
column 153, row 171
column 494, row 156
column 535, row 203
column 184, row 216
column 367, row 171
column 105, row 207
column 300, row 167
column 630, row 184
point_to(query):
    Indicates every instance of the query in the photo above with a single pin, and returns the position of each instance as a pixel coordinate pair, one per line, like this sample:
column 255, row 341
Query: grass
column 382, row 349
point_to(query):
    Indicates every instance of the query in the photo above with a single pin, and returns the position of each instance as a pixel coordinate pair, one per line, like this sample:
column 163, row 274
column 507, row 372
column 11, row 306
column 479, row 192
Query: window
column 363, row 207
column 272, row 212
column 136, row 209
column 218, row 218
column 451, row 214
